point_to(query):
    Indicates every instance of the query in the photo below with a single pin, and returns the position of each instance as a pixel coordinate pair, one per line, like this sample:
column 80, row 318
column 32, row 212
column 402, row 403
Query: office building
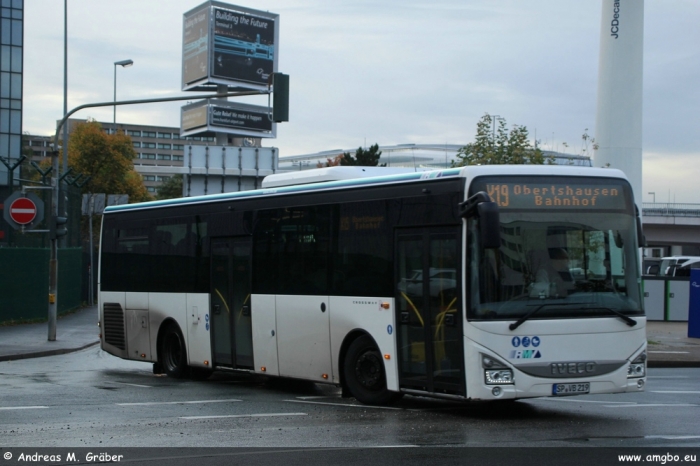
column 11, row 62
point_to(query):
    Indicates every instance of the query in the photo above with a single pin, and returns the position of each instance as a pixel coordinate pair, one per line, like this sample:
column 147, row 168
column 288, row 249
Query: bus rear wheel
column 364, row 373
column 173, row 354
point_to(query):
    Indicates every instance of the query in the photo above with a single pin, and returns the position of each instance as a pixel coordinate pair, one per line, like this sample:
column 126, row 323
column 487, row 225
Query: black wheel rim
column 368, row 370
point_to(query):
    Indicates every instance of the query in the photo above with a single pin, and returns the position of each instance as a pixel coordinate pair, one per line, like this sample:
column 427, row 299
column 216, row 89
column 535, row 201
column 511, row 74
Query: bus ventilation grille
column 113, row 325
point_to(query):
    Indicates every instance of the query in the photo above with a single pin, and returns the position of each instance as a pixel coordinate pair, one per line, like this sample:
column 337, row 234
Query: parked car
column 676, row 266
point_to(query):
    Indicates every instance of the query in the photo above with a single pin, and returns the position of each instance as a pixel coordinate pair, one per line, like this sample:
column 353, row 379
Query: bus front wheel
column 364, row 373
column 173, row 354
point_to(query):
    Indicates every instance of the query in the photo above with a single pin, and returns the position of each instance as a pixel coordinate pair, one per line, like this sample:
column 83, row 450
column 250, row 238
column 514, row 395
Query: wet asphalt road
column 92, row 399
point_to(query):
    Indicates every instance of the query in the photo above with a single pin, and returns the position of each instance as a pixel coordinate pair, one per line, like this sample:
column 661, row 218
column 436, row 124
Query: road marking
column 673, row 437
column 150, row 403
column 654, row 405
column 244, row 415
column 670, row 352
column 131, row 384
column 343, row 404
column 588, row 401
column 668, row 376
column 23, row 407
column 686, row 392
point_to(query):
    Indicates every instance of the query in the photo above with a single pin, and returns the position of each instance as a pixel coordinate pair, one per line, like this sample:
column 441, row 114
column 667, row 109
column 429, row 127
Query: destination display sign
column 563, row 193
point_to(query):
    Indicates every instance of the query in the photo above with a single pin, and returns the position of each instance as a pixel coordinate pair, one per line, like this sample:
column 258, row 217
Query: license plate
column 560, row 389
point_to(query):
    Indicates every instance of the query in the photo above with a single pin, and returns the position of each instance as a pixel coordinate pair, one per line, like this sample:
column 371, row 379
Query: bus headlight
column 638, row 367
column 495, row 372
column 498, row 376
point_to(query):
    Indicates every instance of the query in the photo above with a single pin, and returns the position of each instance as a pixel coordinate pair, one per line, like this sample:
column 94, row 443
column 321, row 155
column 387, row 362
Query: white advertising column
column 618, row 129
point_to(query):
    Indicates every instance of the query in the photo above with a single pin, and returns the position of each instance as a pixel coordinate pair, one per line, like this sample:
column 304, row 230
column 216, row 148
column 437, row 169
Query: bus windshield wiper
column 628, row 320
column 520, row 321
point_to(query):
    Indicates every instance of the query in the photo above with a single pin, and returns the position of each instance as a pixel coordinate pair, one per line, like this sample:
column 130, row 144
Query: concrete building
column 159, row 149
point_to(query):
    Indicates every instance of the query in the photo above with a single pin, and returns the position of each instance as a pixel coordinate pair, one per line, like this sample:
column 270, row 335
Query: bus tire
column 364, row 373
column 173, row 353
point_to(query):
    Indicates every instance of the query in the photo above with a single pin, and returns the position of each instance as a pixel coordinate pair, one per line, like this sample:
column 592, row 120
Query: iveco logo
column 571, row 368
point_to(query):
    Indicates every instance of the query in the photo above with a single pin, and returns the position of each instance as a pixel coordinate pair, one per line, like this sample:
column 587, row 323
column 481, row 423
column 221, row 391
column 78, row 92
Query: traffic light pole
column 53, row 259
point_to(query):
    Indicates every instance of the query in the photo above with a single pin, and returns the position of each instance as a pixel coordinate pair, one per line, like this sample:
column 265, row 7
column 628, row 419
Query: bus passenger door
column 429, row 322
column 231, row 329
column 303, row 337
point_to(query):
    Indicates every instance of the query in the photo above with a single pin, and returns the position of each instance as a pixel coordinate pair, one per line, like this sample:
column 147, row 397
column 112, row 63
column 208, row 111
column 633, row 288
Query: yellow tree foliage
column 107, row 159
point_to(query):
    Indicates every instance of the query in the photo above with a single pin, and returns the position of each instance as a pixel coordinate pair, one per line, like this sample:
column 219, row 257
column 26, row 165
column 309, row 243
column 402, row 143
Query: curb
column 41, row 354
column 672, row 364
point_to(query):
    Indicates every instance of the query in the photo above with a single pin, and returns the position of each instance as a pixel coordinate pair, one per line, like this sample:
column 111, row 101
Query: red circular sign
column 23, row 211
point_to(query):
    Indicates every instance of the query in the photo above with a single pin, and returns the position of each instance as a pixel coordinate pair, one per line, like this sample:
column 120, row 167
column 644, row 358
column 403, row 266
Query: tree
column 334, row 162
column 363, row 158
column 499, row 146
column 107, row 159
column 171, row 188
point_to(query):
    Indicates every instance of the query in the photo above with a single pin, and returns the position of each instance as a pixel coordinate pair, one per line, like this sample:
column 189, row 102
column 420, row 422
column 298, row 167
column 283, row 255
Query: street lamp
column 493, row 123
column 123, row 64
column 653, row 196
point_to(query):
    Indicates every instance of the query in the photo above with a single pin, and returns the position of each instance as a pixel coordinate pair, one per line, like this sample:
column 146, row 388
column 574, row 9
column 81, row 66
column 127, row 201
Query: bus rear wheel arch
column 364, row 375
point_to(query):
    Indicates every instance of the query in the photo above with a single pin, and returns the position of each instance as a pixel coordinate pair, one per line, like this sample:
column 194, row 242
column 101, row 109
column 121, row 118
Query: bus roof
column 298, row 188
column 338, row 173
column 378, row 175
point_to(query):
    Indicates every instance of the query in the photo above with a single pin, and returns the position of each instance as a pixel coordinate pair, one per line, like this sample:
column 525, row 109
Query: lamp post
column 653, row 194
column 494, row 118
column 123, row 64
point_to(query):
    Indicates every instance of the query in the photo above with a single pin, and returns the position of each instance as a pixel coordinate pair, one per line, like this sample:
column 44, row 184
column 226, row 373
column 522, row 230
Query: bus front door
column 231, row 329
column 429, row 327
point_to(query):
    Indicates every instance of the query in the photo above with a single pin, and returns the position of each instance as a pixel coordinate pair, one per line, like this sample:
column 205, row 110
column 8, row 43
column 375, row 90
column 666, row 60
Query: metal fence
column 24, row 262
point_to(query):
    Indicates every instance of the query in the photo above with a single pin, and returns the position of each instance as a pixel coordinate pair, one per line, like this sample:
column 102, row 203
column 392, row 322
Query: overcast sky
column 390, row 72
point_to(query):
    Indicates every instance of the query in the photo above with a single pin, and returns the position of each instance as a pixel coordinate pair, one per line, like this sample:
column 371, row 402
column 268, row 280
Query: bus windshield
column 568, row 249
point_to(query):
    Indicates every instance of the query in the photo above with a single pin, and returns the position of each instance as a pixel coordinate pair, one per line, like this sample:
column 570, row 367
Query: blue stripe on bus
column 312, row 187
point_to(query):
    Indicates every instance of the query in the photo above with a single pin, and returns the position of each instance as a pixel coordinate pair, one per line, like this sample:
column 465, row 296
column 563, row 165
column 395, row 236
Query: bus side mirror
column 489, row 225
column 641, row 239
column 481, row 206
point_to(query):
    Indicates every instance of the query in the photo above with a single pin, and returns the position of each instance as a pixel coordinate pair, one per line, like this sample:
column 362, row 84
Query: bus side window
column 291, row 250
column 362, row 260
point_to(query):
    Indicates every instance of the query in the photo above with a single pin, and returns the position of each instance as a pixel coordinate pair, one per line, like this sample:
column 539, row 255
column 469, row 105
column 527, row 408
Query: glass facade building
column 11, row 57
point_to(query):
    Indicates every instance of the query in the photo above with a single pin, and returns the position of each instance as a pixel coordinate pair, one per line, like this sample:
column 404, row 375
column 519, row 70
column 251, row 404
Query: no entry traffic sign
column 23, row 210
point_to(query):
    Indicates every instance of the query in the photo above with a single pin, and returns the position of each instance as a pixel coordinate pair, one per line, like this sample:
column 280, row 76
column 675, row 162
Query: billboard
column 229, row 45
column 222, row 116
column 195, row 45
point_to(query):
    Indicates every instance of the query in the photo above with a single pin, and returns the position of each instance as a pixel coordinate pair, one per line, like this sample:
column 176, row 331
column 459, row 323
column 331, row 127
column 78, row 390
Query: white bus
column 474, row 283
